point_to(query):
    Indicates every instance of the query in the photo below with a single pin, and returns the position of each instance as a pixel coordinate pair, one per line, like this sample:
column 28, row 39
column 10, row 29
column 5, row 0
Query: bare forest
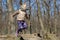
column 44, row 19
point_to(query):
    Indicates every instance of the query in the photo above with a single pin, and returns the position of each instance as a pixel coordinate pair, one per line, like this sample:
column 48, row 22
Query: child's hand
column 27, row 16
column 11, row 17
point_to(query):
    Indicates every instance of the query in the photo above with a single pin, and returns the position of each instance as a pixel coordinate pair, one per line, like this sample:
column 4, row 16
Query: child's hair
column 23, row 6
column 20, row 2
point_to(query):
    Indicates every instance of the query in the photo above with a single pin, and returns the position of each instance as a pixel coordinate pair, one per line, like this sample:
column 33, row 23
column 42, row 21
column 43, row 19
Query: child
column 21, row 14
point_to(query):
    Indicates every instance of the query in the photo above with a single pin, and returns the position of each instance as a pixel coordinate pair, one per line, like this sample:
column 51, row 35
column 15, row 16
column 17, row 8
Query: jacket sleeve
column 15, row 13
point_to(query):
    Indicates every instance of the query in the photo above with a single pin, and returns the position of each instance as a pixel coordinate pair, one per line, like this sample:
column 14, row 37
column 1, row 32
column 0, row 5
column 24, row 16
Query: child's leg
column 19, row 27
column 22, row 26
column 17, row 32
column 24, row 31
column 25, row 27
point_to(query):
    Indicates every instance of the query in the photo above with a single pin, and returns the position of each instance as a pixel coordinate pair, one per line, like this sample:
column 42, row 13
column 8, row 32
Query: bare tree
column 0, row 16
column 40, row 18
column 30, row 16
column 55, row 17
column 9, row 2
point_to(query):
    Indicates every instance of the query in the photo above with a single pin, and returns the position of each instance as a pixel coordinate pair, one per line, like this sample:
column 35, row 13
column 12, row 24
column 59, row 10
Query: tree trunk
column 30, row 17
column 55, row 19
column 40, row 18
column 9, row 2
column 0, row 16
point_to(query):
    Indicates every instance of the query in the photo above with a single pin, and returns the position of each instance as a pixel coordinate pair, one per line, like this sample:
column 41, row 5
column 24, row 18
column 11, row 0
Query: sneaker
column 16, row 34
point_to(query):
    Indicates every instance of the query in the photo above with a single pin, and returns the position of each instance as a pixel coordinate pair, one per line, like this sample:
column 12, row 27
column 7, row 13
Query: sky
column 16, row 5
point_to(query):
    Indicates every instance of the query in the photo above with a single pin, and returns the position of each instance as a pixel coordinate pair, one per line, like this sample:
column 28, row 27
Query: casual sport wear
column 21, row 15
column 20, row 21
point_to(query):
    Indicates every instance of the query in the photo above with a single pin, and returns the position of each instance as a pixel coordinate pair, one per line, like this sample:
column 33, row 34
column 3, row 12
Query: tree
column 0, row 16
column 30, row 16
column 9, row 2
column 40, row 18
column 55, row 17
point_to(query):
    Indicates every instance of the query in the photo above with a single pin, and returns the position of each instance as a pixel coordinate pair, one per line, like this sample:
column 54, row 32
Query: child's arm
column 27, row 16
column 15, row 13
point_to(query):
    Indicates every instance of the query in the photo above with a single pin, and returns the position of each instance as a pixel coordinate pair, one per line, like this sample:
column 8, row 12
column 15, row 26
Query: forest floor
column 29, row 37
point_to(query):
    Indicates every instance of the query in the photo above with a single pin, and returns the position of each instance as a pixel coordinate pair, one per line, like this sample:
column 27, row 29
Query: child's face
column 24, row 6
